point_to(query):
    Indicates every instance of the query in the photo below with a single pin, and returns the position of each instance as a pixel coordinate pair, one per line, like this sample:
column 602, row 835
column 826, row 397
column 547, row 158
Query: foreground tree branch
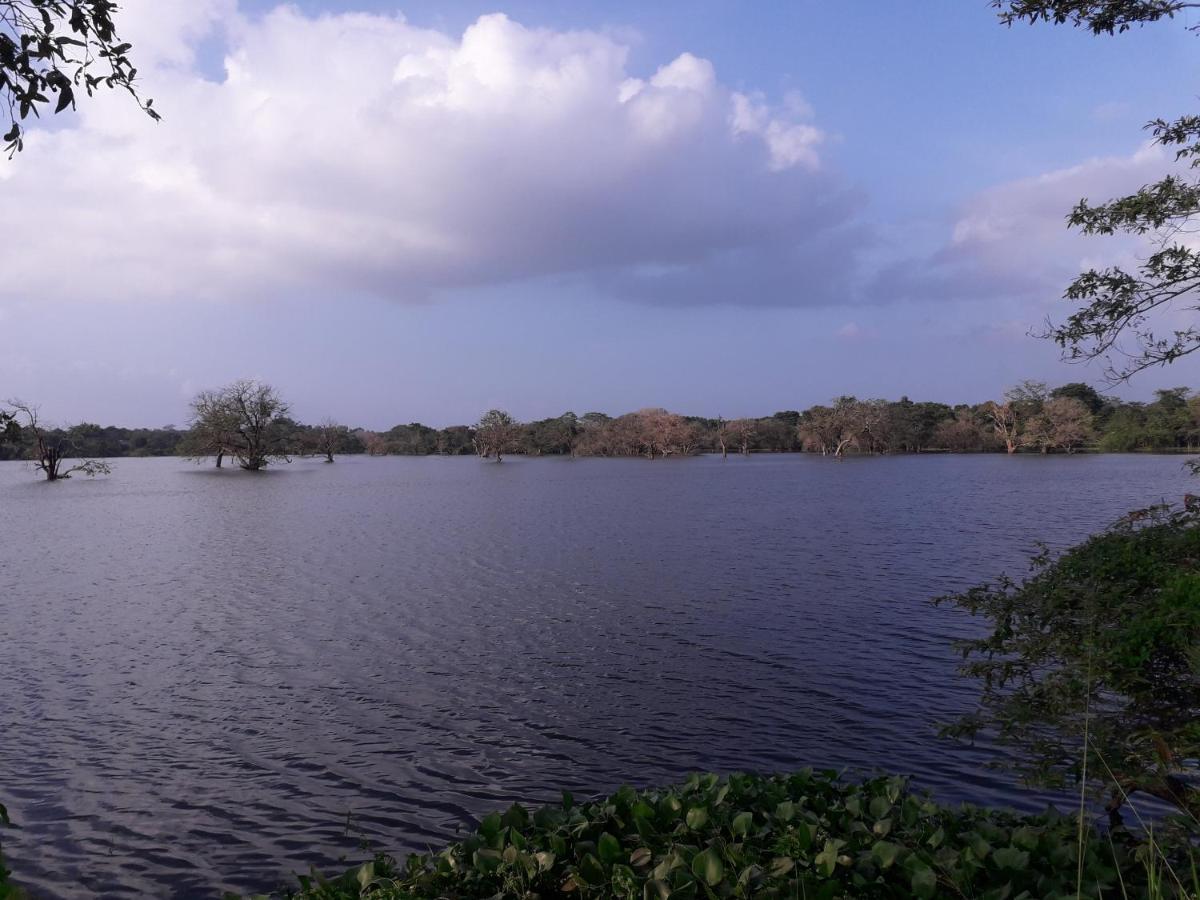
column 52, row 49
column 1116, row 309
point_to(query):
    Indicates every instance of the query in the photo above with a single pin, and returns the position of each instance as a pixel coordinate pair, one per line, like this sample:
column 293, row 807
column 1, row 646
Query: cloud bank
column 358, row 154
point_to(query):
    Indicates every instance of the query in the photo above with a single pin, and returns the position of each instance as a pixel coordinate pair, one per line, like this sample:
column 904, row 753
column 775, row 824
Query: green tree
column 496, row 433
column 1116, row 308
column 1084, row 393
column 10, row 430
column 1092, row 666
column 52, row 49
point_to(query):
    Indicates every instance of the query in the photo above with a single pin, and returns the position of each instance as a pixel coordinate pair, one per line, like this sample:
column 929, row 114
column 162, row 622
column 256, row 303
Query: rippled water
column 210, row 680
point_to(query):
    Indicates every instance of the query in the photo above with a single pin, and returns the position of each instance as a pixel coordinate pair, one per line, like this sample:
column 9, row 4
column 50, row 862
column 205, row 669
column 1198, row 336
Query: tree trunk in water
column 220, row 457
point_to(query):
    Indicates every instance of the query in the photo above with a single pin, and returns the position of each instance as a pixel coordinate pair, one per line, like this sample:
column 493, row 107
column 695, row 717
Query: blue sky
column 809, row 199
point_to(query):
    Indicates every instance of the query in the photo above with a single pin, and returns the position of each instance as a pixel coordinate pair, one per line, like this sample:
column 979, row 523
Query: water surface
column 212, row 679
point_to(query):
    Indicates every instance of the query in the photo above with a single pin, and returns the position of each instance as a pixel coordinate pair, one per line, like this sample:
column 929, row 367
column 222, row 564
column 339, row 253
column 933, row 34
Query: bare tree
column 874, row 423
column 374, row 442
column 723, row 436
column 213, row 427
column 496, row 433
column 743, row 432
column 258, row 410
column 833, row 428
column 1004, row 423
column 51, row 452
column 327, row 438
column 1070, row 423
column 657, row 432
column 246, row 420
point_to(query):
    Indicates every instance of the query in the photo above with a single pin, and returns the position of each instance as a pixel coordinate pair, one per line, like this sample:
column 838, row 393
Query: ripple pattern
column 213, row 679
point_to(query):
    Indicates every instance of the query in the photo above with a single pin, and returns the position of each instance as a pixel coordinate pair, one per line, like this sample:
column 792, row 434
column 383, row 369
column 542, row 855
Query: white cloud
column 1012, row 240
column 358, row 153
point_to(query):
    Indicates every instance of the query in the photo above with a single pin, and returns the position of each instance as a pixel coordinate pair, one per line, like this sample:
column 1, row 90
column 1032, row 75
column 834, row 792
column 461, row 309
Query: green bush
column 804, row 835
column 1092, row 665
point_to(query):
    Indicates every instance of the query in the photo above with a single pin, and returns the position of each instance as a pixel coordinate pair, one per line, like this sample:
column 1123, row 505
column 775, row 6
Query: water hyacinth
column 803, row 835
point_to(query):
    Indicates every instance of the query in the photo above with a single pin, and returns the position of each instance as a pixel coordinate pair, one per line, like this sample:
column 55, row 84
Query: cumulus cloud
column 360, row 154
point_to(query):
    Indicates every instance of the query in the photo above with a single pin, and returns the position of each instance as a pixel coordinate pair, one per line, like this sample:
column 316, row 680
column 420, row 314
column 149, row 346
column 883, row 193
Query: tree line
column 249, row 424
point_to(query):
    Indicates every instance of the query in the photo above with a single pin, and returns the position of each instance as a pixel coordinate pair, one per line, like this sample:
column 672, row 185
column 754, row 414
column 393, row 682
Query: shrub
column 1100, row 648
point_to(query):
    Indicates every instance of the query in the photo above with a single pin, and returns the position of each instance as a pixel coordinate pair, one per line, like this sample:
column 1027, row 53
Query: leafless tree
column 246, row 420
column 743, row 432
column 51, row 453
column 327, row 438
column 1070, row 423
column 373, row 441
column 723, row 436
column 833, row 428
column 213, row 427
column 658, row 432
column 873, row 421
column 1004, row 422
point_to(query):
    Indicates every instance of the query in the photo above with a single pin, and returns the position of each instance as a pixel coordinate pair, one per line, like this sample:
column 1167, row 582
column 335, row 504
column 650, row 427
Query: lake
column 212, row 679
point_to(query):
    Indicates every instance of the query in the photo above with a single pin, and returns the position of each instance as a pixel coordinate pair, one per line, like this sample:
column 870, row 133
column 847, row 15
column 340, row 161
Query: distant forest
column 1030, row 418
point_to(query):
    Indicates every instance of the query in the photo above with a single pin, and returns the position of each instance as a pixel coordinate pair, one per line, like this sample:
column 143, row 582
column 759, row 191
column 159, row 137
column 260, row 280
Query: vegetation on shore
column 807, row 834
column 1091, row 669
column 1029, row 418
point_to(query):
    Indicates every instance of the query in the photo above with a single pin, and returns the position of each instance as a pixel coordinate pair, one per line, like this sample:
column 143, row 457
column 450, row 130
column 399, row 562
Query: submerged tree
column 1116, row 307
column 52, row 49
column 51, row 452
column 213, row 427
column 246, row 420
column 743, row 432
column 496, row 433
column 327, row 438
column 1092, row 667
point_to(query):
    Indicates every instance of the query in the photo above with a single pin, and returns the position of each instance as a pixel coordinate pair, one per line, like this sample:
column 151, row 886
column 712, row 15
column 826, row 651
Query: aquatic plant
column 807, row 834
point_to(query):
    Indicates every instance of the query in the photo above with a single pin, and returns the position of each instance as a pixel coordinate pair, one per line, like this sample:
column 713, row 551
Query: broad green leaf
column 742, row 823
column 885, row 853
column 924, row 881
column 1011, row 858
column 707, row 866
column 608, row 849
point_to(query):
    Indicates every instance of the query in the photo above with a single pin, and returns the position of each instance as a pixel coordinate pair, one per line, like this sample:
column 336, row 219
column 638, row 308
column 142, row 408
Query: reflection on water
column 214, row 676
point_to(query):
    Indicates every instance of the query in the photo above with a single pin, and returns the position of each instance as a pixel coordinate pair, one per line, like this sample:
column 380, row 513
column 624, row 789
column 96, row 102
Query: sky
column 402, row 212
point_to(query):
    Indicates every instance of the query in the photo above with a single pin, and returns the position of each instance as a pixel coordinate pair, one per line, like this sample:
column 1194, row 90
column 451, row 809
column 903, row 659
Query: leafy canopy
column 1099, row 16
column 49, row 50
column 1117, row 307
column 1092, row 666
